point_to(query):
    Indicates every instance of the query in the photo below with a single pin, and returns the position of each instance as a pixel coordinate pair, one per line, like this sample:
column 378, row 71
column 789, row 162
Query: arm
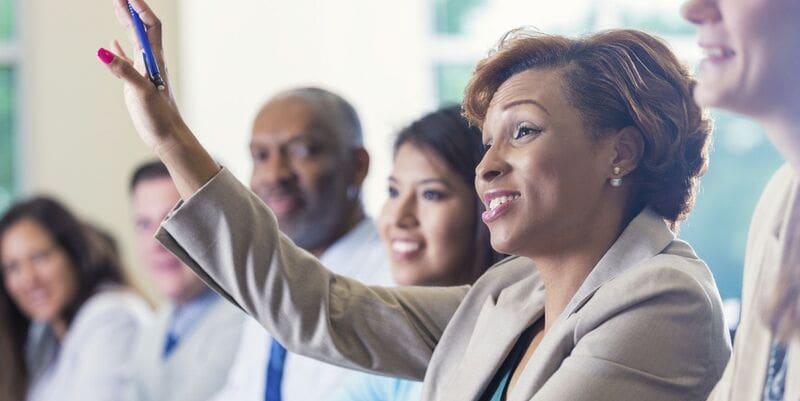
column 231, row 240
column 229, row 237
column 657, row 336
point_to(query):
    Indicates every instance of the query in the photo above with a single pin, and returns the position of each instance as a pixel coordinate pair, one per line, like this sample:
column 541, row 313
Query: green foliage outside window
column 451, row 79
column 6, row 19
column 450, row 14
column 7, row 98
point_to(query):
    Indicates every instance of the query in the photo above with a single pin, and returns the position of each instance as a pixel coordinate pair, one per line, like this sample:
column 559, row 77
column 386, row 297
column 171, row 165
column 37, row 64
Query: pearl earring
column 617, row 181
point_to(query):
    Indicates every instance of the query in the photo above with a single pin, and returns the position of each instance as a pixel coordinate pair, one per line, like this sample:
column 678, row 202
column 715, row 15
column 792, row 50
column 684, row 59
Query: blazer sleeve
column 231, row 240
column 650, row 337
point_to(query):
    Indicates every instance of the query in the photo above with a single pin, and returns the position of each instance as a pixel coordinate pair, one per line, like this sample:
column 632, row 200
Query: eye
column 433, row 195
column 40, row 256
column 8, row 268
column 302, row 150
column 258, row 155
column 393, row 192
column 524, row 129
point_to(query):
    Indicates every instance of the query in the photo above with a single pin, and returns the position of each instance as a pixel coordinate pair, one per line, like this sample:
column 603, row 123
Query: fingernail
column 105, row 56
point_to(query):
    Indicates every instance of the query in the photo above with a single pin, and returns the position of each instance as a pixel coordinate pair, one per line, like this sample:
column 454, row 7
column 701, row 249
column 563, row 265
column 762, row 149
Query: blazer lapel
column 644, row 237
column 497, row 329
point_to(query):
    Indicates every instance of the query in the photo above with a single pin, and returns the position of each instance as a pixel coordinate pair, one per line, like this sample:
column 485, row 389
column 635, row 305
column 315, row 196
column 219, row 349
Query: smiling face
column 38, row 274
column 428, row 221
column 752, row 53
column 153, row 198
column 301, row 172
column 543, row 178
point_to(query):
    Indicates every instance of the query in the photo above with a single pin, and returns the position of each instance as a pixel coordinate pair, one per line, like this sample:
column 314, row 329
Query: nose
column 275, row 170
column 403, row 212
column 492, row 166
column 700, row 11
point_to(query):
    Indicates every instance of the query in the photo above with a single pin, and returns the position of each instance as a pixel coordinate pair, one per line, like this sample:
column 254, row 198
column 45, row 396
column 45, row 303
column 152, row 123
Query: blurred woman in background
column 68, row 319
column 751, row 67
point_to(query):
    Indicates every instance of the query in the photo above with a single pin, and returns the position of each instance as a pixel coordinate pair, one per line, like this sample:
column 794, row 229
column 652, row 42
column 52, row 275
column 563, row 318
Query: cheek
column 67, row 279
column 449, row 232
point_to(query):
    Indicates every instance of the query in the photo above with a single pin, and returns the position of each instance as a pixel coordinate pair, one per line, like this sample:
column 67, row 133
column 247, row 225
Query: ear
column 360, row 166
column 628, row 149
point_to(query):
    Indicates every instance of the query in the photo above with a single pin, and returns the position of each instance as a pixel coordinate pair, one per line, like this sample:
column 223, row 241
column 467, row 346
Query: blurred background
column 64, row 130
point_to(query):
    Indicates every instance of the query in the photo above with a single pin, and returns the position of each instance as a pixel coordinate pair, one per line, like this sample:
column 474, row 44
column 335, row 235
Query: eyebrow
column 525, row 101
column 427, row 181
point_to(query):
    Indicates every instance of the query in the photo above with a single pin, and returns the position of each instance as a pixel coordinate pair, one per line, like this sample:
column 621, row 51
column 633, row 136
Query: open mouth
column 498, row 204
column 717, row 53
column 405, row 249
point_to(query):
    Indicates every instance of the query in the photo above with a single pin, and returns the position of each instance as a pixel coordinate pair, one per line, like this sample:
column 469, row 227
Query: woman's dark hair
column 616, row 79
column 449, row 136
column 95, row 261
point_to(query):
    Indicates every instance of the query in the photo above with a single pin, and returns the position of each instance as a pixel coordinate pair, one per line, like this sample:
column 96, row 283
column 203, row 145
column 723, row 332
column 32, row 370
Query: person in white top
column 308, row 167
column 67, row 313
column 187, row 351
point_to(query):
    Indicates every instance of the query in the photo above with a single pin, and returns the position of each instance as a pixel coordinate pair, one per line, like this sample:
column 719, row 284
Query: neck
column 59, row 327
column 351, row 220
column 784, row 132
column 181, row 301
column 565, row 270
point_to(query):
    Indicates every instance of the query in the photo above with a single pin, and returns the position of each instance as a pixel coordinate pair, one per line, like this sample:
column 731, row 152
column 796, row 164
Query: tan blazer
column 745, row 375
column 645, row 325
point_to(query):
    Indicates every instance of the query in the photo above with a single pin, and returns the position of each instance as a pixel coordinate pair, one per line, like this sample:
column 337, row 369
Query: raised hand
column 154, row 112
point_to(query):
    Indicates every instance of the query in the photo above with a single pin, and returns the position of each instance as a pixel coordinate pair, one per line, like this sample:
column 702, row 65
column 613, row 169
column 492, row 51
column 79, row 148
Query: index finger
column 148, row 17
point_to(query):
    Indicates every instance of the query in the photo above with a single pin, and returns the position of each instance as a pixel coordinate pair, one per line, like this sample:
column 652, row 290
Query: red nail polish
column 105, row 56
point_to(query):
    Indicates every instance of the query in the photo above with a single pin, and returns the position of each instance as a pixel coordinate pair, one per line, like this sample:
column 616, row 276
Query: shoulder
column 674, row 278
column 113, row 307
column 667, row 305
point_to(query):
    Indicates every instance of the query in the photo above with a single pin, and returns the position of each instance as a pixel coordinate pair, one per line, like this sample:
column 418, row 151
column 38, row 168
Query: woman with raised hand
column 594, row 151
column 752, row 58
column 67, row 316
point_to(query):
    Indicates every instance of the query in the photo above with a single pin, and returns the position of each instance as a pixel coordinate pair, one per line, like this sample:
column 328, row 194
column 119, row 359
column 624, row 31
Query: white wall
column 373, row 53
column 77, row 142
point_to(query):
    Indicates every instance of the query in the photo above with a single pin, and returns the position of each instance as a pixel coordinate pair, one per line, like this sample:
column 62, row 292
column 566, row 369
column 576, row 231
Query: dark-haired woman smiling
column 67, row 318
column 595, row 149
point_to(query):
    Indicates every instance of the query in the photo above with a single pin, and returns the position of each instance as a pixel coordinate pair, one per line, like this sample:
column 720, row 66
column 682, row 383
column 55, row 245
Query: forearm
column 188, row 162
column 227, row 235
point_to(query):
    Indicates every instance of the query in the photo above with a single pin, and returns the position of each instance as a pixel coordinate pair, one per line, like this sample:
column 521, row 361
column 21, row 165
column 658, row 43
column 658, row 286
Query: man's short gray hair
column 331, row 110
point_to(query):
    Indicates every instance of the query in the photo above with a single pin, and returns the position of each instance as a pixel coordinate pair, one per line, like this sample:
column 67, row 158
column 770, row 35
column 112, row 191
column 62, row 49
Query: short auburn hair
column 616, row 79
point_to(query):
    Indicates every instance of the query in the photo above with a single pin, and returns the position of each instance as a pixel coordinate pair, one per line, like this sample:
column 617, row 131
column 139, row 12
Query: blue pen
column 147, row 50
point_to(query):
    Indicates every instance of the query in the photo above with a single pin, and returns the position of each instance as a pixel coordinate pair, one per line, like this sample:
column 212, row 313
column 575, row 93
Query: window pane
column 6, row 19
column 450, row 15
column 7, row 98
column 451, row 79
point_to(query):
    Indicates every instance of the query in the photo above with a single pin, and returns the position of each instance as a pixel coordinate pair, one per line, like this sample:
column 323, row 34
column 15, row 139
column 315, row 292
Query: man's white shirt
column 360, row 255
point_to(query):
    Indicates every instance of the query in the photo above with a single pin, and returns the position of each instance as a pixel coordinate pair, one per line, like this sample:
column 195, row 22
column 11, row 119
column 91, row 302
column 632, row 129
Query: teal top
column 497, row 387
column 364, row 387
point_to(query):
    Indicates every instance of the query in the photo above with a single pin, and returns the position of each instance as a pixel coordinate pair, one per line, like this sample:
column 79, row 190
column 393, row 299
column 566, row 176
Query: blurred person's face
column 38, row 274
column 752, row 53
column 543, row 179
column 152, row 200
column 301, row 172
column 428, row 222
